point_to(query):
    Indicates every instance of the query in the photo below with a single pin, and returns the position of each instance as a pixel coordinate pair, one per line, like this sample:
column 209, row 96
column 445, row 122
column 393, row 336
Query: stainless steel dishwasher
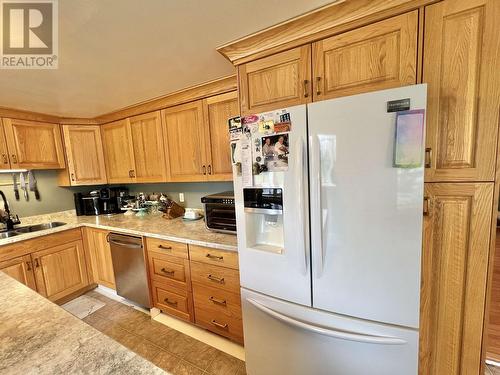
column 129, row 266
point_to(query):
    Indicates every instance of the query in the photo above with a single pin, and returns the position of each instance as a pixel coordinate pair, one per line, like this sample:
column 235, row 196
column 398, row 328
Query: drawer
column 214, row 276
column 220, row 324
column 172, row 248
column 217, row 301
column 173, row 301
column 213, row 256
column 169, row 270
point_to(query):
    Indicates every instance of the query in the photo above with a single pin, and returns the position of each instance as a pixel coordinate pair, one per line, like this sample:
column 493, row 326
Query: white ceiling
column 114, row 53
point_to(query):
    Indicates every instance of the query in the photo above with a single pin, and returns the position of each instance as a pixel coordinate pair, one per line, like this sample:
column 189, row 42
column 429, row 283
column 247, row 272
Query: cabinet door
column 218, row 109
column 277, row 81
column 4, row 153
column 460, row 67
column 100, row 255
column 34, row 145
column 375, row 57
column 454, row 272
column 21, row 269
column 60, row 270
column 118, row 151
column 184, row 140
column 147, row 142
column 84, row 154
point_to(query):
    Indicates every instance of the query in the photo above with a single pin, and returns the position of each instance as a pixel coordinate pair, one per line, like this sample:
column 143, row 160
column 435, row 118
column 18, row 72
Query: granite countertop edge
column 116, row 228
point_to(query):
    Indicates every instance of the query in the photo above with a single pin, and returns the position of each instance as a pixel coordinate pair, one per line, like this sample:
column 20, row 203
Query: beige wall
column 55, row 198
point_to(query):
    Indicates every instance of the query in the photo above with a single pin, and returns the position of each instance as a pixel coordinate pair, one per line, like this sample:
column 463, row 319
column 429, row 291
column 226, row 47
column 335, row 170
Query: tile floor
column 167, row 348
column 492, row 370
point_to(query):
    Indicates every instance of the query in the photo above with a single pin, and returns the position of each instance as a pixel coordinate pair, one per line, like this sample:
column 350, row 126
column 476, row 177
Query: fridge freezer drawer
column 301, row 340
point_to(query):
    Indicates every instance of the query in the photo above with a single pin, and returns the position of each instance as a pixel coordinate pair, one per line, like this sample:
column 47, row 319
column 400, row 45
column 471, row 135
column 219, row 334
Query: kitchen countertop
column 191, row 232
column 39, row 337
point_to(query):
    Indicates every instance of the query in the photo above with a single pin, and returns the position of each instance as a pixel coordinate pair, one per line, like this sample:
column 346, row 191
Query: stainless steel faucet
column 7, row 219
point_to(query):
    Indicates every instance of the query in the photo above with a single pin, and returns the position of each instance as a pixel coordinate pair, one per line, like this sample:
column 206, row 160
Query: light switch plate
column 181, row 197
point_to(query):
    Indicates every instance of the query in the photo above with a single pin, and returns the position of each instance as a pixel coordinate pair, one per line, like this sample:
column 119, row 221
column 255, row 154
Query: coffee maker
column 91, row 203
column 112, row 199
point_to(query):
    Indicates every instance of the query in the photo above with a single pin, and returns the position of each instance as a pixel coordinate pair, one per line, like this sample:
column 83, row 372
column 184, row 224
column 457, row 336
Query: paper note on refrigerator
column 409, row 139
column 246, row 161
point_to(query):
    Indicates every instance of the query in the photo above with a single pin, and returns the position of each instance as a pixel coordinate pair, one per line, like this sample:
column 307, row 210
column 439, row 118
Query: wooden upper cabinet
column 277, row 81
column 461, row 54
column 21, row 269
column 184, row 139
column 456, row 244
column 60, row 270
column 218, row 109
column 34, row 145
column 4, row 152
column 147, row 142
column 100, row 255
column 84, row 154
column 118, row 152
column 375, row 57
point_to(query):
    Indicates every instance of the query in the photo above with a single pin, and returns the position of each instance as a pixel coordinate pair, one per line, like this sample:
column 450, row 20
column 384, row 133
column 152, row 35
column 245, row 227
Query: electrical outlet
column 181, row 197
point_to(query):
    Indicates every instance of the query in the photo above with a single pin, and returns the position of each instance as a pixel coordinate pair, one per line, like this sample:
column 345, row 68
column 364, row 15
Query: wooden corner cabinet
column 375, row 57
column 31, row 145
column 456, row 245
column 277, row 81
column 84, row 155
column 461, row 55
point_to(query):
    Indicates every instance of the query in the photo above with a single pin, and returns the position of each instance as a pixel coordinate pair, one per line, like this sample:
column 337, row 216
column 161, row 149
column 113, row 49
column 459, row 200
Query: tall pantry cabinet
column 454, row 47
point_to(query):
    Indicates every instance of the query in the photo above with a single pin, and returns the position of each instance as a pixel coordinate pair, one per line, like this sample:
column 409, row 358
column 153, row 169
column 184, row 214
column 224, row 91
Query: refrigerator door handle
column 301, row 233
column 339, row 334
column 318, row 228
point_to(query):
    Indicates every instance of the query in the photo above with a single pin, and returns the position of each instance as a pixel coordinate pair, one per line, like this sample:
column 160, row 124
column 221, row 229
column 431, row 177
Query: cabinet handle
column 14, row 158
column 72, row 177
column 168, row 272
column 222, row 302
column 426, row 208
column 210, row 256
column 165, row 247
column 428, row 157
column 172, row 303
column 318, row 90
column 209, row 169
column 133, row 173
column 219, row 280
column 219, row 325
column 204, row 170
column 28, row 266
column 5, row 159
column 306, row 88
column 36, row 263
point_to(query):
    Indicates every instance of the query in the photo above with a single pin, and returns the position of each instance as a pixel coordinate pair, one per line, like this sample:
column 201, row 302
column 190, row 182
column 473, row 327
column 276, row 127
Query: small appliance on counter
column 106, row 201
column 220, row 213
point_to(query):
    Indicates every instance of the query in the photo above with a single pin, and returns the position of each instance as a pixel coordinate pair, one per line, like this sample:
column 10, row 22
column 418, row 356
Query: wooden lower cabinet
column 100, row 255
column 60, row 270
column 21, row 269
column 455, row 255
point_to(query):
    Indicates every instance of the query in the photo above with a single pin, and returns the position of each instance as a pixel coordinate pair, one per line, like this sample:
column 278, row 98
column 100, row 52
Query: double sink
column 30, row 229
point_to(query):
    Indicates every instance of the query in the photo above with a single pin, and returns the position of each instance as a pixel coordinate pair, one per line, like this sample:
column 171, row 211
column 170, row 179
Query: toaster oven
column 220, row 214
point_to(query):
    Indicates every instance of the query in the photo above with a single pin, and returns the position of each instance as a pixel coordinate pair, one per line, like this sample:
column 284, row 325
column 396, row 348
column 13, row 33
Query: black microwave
column 220, row 213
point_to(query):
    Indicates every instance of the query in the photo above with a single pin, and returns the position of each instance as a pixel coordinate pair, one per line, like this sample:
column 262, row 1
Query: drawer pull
column 219, row 280
column 210, row 256
column 219, row 325
column 165, row 247
column 222, row 302
column 171, row 303
column 168, row 272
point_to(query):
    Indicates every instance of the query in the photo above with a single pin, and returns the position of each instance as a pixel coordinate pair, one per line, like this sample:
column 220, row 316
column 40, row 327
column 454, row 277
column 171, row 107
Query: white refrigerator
column 331, row 284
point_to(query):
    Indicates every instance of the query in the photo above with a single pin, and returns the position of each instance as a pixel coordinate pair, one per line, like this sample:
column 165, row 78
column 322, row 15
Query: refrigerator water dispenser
column 264, row 219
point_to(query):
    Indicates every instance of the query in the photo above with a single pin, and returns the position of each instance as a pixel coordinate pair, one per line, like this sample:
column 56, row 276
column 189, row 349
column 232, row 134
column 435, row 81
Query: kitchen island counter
column 190, row 232
column 39, row 337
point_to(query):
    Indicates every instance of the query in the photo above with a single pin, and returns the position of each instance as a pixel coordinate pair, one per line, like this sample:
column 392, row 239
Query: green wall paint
column 55, row 198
